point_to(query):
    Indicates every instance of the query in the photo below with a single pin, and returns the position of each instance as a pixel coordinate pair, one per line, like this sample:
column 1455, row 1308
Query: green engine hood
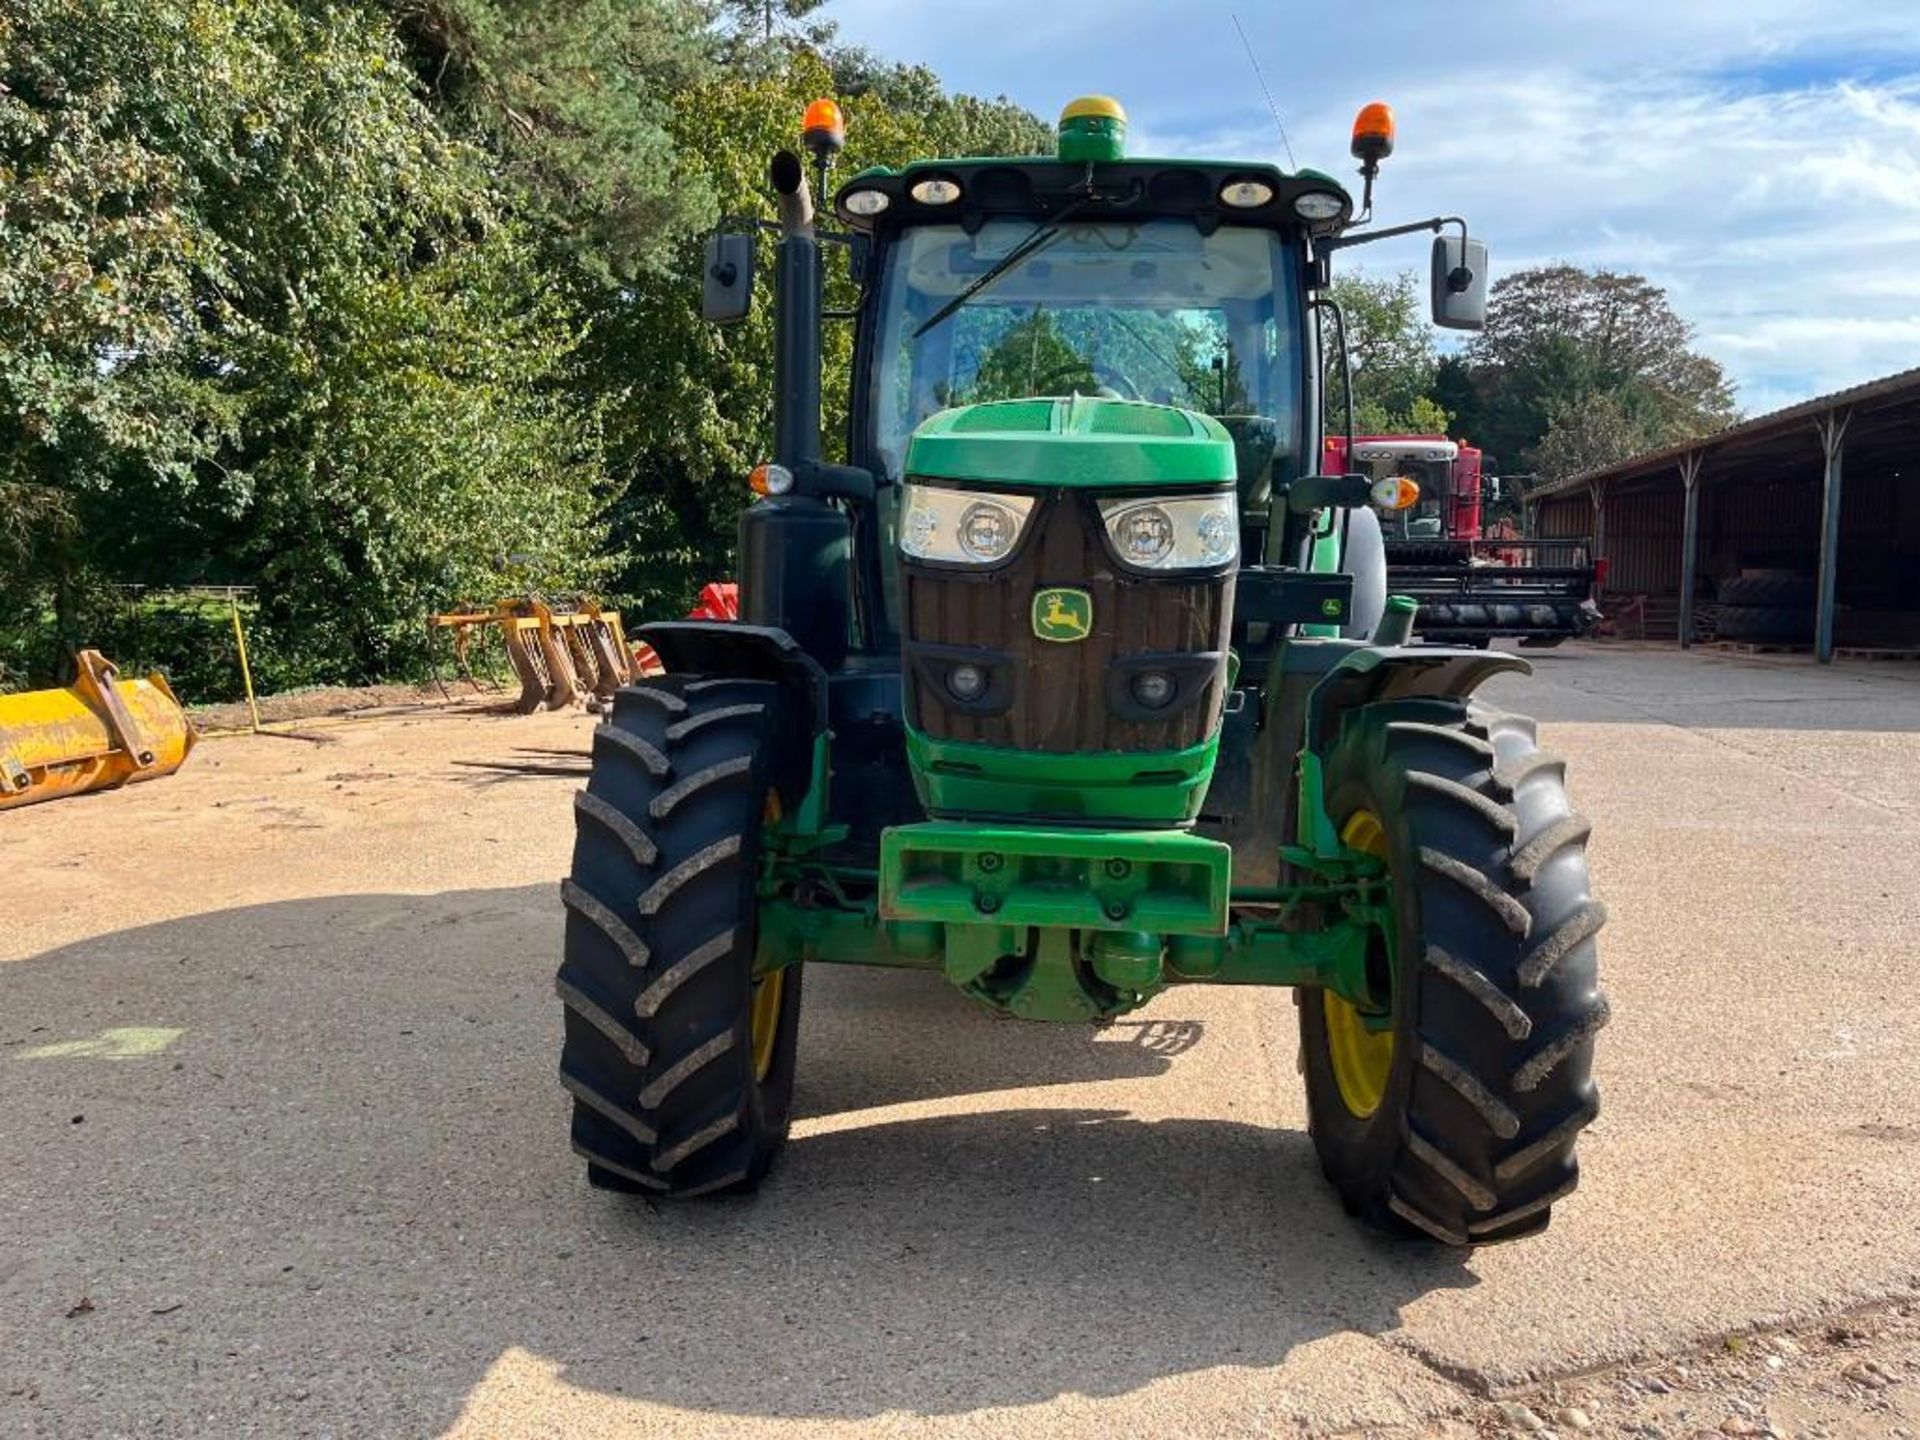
column 1080, row 441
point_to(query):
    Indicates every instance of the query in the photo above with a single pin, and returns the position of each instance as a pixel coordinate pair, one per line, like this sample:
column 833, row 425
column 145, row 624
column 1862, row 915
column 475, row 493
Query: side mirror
column 726, row 284
column 1459, row 283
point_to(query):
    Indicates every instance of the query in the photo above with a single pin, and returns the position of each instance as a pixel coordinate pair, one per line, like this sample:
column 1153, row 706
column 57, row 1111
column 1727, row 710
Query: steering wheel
column 1113, row 381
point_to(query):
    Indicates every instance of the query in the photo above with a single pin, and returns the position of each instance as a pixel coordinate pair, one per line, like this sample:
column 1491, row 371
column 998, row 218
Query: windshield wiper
column 1035, row 240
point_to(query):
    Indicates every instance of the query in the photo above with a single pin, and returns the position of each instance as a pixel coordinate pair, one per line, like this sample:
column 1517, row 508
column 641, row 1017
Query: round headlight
column 1153, row 688
column 865, row 203
column 1246, row 194
column 1217, row 539
column 1319, row 205
column 1144, row 535
column 935, row 192
column 967, row 682
column 987, row 530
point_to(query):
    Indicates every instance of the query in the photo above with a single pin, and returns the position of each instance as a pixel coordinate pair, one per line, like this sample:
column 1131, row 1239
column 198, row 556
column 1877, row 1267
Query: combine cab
column 1472, row 585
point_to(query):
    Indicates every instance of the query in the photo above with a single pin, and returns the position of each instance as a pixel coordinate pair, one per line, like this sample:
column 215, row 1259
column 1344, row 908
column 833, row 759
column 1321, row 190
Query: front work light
column 935, row 192
column 1153, row 688
column 865, row 203
column 1246, row 194
column 1318, row 205
column 1396, row 492
column 966, row 682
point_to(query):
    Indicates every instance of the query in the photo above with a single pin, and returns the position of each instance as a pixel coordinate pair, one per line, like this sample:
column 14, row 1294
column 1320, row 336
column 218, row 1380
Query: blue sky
column 1760, row 159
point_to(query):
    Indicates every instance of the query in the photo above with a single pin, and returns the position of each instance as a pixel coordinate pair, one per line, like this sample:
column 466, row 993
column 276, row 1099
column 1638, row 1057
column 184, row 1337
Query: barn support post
column 1597, row 492
column 1832, row 428
column 1690, row 545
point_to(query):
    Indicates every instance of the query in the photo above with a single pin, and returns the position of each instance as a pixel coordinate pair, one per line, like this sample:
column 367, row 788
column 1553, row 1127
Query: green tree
column 1390, row 347
column 383, row 305
column 687, row 404
column 262, row 319
column 1599, row 429
column 1559, row 337
column 575, row 105
column 1029, row 357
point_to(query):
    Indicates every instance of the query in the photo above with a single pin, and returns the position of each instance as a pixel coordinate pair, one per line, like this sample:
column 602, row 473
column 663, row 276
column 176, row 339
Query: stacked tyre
column 1768, row 608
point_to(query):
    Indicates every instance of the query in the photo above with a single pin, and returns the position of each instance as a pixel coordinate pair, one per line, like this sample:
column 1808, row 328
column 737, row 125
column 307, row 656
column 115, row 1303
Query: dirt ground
column 334, row 701
column 284, row 1153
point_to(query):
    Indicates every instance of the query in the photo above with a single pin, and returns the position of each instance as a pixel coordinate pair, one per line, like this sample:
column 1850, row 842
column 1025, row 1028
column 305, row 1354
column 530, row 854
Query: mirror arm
column 1432, row 227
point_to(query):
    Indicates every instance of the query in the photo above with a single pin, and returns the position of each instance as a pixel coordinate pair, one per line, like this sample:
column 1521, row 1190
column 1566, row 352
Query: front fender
column 1367, row 675
column 1371, row 673
column 731, row 648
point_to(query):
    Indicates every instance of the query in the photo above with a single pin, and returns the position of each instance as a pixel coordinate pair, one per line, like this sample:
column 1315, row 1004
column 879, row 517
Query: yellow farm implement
column 561, row 653
column 98, row 732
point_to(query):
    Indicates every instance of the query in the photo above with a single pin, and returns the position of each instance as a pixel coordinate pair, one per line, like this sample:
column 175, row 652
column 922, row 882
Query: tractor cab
column 1171, row 283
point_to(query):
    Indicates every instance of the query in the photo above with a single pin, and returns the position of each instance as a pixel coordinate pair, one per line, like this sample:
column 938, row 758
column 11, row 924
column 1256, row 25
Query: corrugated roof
column 1761, row 426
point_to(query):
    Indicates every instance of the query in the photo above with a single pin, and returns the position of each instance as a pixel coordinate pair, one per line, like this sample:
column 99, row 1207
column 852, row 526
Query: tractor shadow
column 320, row 1141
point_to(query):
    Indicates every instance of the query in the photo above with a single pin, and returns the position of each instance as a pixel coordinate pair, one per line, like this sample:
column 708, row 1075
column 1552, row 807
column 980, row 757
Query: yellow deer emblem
column 1062, row 615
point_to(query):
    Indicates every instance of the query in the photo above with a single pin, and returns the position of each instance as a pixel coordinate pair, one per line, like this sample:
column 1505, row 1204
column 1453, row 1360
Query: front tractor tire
column 679, row 1060
column 1455, row 1115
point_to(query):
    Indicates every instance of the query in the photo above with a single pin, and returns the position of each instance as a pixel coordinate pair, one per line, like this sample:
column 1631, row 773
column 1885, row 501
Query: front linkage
column 1073, row 924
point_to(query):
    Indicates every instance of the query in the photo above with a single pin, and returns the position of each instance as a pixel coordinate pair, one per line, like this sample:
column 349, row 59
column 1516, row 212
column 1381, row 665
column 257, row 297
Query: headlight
column 960, row 527
column 1173, row 532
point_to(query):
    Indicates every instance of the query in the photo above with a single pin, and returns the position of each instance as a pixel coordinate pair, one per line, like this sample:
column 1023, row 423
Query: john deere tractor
column 1075, row 681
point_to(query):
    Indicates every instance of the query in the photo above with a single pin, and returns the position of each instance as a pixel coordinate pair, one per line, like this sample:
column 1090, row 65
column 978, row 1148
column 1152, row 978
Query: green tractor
column 1074, row 682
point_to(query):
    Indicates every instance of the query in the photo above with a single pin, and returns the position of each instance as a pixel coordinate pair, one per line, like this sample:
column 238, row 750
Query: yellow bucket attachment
column 98, row 732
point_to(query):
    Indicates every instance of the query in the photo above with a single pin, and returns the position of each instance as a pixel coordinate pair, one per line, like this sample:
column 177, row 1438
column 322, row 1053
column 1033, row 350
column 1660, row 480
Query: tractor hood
column 1080, row 441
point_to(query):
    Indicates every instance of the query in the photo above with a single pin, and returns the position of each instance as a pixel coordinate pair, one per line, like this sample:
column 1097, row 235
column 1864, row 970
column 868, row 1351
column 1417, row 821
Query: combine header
column 1472, row 586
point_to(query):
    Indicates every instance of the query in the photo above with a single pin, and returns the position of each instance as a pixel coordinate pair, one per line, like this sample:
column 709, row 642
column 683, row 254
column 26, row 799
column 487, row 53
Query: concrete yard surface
column 285, row 1153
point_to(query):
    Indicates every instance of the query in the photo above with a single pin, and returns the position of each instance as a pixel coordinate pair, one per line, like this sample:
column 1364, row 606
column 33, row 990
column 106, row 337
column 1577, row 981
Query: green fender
column 1368, row 675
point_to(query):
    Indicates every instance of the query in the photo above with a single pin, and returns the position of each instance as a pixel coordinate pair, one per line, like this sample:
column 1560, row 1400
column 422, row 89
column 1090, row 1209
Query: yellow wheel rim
column 765, row 1006
column 1361, row 1058
column 766, row 1021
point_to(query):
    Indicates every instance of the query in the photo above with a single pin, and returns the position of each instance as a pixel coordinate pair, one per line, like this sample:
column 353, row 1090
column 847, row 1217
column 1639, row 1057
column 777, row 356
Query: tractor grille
column 1061, row 695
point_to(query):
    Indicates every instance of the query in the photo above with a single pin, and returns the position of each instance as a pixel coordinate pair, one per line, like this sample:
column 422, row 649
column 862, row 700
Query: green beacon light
column 1094, row 127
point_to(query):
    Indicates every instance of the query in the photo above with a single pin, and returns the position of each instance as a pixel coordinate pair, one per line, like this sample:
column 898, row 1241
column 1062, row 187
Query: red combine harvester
column 1472, row 586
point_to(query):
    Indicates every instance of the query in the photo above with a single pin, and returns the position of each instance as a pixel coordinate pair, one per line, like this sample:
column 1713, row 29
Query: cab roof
column 1039, row 187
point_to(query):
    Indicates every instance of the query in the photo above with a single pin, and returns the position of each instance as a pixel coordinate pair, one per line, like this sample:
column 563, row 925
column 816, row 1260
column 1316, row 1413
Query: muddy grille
column 1060, row 692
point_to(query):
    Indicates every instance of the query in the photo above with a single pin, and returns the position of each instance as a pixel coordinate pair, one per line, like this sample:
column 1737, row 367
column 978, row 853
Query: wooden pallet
column 1877, row 652
column 1758, row 647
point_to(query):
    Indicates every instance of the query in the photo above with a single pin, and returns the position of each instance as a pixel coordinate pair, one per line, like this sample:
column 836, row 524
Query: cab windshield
column 1152, row 310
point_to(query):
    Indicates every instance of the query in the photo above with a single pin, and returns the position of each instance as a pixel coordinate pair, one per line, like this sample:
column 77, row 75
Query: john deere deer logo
column 1063, row 615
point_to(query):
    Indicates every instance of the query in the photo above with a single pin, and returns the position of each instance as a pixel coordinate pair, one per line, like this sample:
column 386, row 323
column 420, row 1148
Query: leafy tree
column 1029, row 357
column 576, row 103
column 1391, row 349
column 1597, row 430
column 261, row 319
column 688, row 410
column 1559, row 336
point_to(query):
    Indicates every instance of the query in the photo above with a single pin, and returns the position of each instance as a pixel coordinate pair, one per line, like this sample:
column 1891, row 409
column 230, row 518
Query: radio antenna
column 1278, row 124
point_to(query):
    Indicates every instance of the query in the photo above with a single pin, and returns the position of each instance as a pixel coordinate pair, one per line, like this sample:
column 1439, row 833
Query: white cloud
column 1759, row 160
